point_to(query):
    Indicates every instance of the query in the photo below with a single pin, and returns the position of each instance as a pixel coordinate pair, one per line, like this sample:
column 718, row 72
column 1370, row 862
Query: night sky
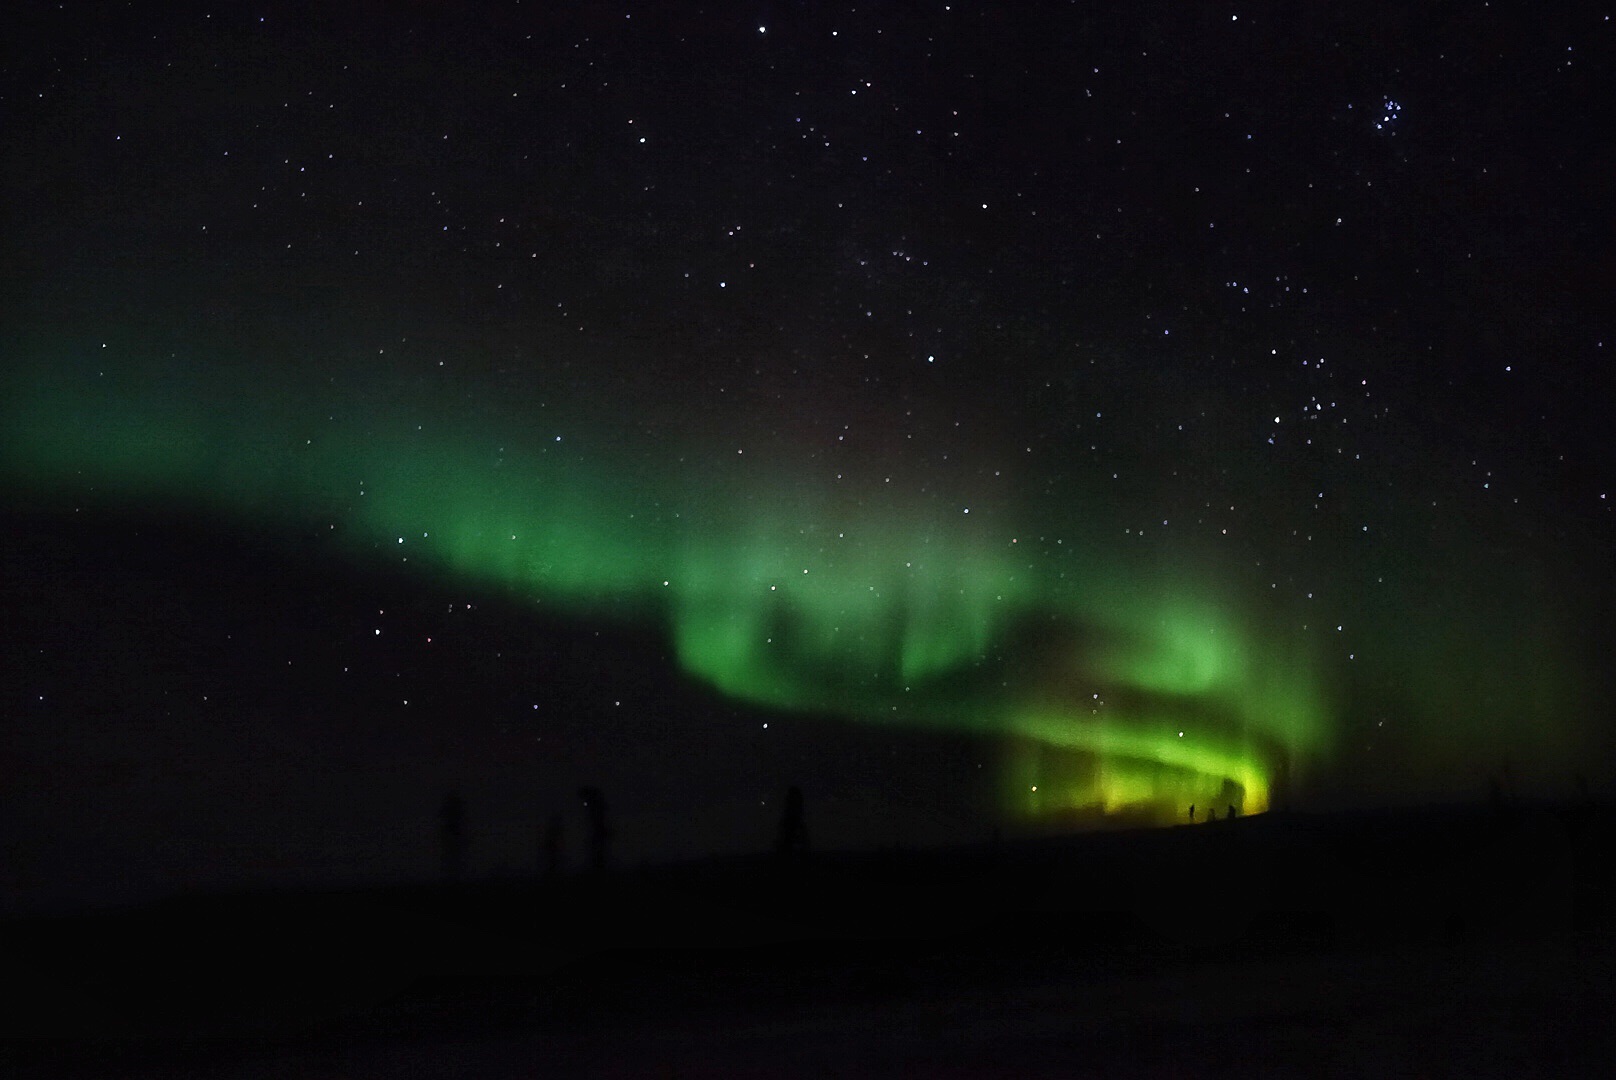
column 986, row 416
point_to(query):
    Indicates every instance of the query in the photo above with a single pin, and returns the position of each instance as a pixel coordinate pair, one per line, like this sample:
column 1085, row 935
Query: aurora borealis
column 872, row 609
column 1117, row 684
column 1180, row 410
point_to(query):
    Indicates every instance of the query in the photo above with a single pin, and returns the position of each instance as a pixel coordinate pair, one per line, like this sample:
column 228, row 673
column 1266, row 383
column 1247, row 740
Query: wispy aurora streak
column 1116, row 685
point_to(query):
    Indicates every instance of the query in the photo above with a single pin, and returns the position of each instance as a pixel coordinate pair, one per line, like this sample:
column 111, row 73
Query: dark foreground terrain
column 1426, row 943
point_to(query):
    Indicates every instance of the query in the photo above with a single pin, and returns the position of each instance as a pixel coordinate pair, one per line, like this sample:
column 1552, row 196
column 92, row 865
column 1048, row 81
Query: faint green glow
column 851, row 614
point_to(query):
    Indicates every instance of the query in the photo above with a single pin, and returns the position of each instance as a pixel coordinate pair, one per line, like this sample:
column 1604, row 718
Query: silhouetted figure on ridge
column 1192, row 813
column 792, row 839
column 1230, row 814
column 452, row 817
column 552, row 846
column 600, row 833
column 1211, row 813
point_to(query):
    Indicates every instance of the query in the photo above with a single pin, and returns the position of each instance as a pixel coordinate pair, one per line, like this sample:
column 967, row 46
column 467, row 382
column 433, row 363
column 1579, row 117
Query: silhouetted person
column 552, row 846
column 452, row 816
column 1230, row 814
column 792, row 838
column 1192, row 813
column 1211, row 813
column 600, row 834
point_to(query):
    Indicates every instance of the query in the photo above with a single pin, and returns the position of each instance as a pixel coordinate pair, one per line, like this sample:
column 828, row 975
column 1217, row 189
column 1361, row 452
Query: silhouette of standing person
column 600, row 834
column 792, row 839
column 552, row 846
column 1192, row 813
column 452, row 817
column 1230, row 814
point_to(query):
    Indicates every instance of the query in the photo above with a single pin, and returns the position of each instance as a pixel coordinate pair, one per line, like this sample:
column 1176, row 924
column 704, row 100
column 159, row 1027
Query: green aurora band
column 1118, row 684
